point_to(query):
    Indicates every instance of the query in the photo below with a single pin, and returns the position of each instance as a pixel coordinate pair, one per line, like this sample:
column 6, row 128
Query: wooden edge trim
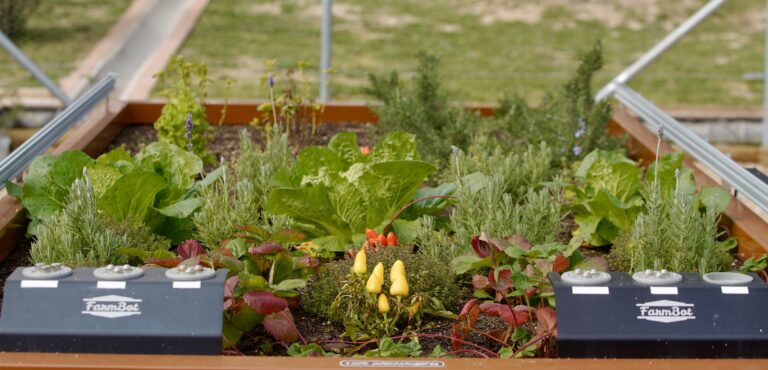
column 749, row 229
column 40, row 361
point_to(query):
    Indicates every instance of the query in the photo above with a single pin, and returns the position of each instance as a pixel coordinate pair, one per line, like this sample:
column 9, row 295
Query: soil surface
column 19, row 257
column 225, row 140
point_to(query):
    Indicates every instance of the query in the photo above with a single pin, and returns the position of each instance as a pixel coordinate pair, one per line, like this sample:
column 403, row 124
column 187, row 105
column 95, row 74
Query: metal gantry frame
column 13, row 165
column 27, row 63
column 732, row 174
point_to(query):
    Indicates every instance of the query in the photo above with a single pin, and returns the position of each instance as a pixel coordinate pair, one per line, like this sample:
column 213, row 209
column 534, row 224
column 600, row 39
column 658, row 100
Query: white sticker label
column 390, row 363
column 186, row 284
column 664, row 290
column 39, row 283
column 590, row 290
column 734, row 289
column 110, row 285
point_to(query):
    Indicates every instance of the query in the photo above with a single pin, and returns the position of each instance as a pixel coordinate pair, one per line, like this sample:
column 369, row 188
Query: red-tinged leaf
column 468, row 307
column 281, row 326
column 480, row 282
column 499, row 335
column 530, row 292
column 512, row 317
column 269, row 248
column 228, row 303
column 225, row 252
column 229, row 287
column 190, row 248
column 457, row 337
column 310, row 262
column 547, row 320
column 520, row 242
column 561, row 264
column 164, row 262
column 503, row 282
column 288, row 236
column 481, row 248
column 265, row 302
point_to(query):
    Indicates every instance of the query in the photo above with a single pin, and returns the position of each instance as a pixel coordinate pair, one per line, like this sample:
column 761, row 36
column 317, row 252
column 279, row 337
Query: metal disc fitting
column 43, row 271
column 187, row 273
column 112, row 272
column 727, row 278
column 585, row 277
column 657, row 277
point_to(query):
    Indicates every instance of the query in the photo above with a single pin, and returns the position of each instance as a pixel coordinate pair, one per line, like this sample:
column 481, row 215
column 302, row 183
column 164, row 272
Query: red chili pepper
column 382, row 241
column 391, row 239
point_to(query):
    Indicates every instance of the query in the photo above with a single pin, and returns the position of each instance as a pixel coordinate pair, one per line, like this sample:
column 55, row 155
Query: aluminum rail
column 25, row 62
column 12, row 165
column 729, row 171
column 660, row 48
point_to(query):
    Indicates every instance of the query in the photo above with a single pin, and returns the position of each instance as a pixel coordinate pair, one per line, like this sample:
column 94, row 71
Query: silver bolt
column 664, row 272
column 39, row 266
column 180, row 268
column 46, row 268
column 593, row 272
column 578, row 271
column 190, row 270
column 648, row 272
column 56, row 266
column 127, row 267
column 658, row 274
column 118, row 270
column 110, row 267
column 199, row 268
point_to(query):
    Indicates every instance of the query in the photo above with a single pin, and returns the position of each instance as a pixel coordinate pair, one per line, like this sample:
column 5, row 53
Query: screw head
column 578, row 271
column 664, row 272
column 199, row 268
column 39, row 265
column 190, row 270
column 110, row 267
column 118, row 270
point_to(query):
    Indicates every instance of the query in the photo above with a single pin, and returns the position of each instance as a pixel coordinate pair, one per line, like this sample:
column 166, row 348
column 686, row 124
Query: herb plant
column 421, row 107
column 82, row 234
column 184, row 85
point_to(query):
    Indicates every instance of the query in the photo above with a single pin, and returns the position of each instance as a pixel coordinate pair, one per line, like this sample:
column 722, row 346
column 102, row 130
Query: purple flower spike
column 660, row 131
column 270, row 81
column 455, row 150
column 582, row 128
column 576, row 150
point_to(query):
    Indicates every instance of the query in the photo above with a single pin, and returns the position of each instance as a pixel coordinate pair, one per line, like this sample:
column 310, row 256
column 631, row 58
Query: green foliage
column 672, row 233
column 428, row 279
column 608, row 198
column 335, row 192
column 571, row 122
column 753, row 264
column 238, row 199
column 14, row 15
column 156, row 188
column 82, row 234
column 184, row 86
column 389, row 348
column 422, row 108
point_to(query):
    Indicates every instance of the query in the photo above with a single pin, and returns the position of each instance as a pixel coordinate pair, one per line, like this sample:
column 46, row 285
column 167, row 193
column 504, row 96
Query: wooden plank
column 744, row 225
column 50, row 361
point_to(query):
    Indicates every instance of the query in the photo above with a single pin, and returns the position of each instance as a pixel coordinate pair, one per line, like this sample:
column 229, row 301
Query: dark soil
column 225, row 140
column 19, row 257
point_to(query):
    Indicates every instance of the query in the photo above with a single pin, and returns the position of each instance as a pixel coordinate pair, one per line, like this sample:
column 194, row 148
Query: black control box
column 112, row 309
column 661, row 314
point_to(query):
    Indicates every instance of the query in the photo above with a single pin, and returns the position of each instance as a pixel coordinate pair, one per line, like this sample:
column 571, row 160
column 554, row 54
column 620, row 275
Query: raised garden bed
column 99, row 134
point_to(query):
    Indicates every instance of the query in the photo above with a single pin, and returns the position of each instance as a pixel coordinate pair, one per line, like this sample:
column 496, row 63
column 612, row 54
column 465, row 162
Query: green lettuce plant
column 157, row 187
column 336, row 192
column 608, row 196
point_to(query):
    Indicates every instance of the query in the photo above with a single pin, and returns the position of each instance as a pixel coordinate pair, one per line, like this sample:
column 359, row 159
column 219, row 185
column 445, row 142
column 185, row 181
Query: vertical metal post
column 765, row 84
column 25, row 62
column 325, row 51
column 660, row 48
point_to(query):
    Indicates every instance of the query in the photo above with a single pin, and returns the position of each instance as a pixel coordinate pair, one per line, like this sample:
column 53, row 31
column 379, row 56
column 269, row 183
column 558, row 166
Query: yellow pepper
column 374, row 284
column 360, row 266
column 383, row 304
column 399, row 288
column 378, row 271
column 398, row 269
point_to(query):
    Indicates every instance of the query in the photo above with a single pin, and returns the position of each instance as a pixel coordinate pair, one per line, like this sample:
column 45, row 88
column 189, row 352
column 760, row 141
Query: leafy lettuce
column 334, row 193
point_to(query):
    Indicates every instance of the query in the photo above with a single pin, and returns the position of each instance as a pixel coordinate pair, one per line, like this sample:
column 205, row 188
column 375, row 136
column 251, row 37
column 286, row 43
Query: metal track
column 12, row 165
column 732, row 173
